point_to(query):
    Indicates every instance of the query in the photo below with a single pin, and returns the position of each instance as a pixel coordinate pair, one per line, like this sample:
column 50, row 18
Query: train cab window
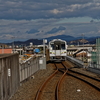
column 52, row 46
column 57, row 46
column 62, row 46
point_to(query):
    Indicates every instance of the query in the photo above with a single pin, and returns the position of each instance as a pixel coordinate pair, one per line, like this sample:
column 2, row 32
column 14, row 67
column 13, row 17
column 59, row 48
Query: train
column 57, row 50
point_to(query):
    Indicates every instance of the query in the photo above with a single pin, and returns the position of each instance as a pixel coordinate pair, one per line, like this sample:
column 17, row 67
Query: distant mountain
column 74, row 40
column 63, row 37
column 92, row 40
column 34, row 41
column 87, row 40
column 79, row 41
column 68, row 38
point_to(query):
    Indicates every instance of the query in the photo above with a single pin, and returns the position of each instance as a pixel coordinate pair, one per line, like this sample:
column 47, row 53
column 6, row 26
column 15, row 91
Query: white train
column 57, row 49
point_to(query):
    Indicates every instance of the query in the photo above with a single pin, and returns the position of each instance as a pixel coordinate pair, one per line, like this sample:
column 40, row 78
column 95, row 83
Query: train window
column 52, row 46
column 62, row 46
column 57, row 47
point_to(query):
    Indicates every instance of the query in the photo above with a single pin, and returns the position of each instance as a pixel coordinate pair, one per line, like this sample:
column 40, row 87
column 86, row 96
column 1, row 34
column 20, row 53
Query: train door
column 57, row 49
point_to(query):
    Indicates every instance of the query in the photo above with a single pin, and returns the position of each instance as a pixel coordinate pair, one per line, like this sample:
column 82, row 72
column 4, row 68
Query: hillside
column 79, row 41
column 69, row 39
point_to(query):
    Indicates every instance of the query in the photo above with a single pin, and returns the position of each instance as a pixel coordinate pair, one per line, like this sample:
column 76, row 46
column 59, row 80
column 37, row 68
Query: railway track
column 60, row 81
column 52, row 84
column 65, row 68
column 68, row 86
column 93, row 82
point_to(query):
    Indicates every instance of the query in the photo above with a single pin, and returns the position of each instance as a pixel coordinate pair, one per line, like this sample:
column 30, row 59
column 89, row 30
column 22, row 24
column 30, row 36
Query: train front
column 57, row 49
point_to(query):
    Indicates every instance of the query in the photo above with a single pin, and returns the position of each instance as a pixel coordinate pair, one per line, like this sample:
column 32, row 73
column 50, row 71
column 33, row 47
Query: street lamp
column 83, row 50
column 13, row 43
column 44, row 41
column 2, row 49
column 83, row 45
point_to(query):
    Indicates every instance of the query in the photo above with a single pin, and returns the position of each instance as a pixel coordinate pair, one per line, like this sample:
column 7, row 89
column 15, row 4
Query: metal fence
column 28, row 68
column 9, row 75
column 95, row 58
column 12, row 73
column 75, row 61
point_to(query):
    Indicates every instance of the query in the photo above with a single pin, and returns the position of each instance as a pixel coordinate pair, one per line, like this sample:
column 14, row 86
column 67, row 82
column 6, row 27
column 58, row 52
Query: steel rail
column 85, row 75
column 97, row 88
column 58, row 86
column 70, row 69
column 39, row 92
column 94, row 86
column 42, row 86
column 60, row 81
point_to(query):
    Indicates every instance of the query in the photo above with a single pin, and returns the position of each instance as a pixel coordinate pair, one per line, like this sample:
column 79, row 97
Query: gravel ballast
column 29, row 88
column 68, row 90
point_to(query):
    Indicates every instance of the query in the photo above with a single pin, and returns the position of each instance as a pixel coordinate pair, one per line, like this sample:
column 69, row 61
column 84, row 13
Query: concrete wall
column 9, row 75
column 13, row 73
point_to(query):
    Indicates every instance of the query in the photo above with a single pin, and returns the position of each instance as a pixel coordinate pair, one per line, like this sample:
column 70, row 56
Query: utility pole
column 2, row 49
column 44, row 41
column 83, row 48
column 13, row 44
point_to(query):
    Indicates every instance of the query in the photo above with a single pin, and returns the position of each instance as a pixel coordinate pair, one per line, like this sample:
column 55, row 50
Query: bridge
column 73, row 50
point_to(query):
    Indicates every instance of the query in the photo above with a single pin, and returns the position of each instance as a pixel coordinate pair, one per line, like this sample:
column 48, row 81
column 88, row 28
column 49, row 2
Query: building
column 6, row 51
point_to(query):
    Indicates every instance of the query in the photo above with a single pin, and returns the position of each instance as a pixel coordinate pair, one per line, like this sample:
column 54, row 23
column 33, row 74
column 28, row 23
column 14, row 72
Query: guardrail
column 9, row 75
column 28, row 68
column 13, row 73
column 75, row 61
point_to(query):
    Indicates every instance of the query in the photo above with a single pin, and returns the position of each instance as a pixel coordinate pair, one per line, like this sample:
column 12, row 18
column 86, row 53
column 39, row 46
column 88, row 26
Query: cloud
column 45, row 27
column 54, row 30
column 6, row 36
column 45, row 9
column 42, row 18
column 55, row 11
column 92, row 21
column 32, row 31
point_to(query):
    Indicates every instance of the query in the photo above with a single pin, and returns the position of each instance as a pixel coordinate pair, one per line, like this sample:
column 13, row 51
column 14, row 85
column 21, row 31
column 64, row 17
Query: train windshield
column 52, row 46
column 63, row 46
column 58, row 46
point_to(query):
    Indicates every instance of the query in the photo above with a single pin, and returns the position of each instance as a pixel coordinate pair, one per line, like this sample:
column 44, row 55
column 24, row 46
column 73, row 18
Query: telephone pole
column 83, row 46
column 13, row 44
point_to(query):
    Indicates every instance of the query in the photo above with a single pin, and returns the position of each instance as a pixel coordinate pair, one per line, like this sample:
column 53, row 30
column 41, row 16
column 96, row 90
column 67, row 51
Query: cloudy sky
column 25, row 19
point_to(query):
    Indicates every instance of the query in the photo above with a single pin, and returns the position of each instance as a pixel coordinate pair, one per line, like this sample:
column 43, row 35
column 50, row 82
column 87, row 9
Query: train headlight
column 63, row 52
column 52, row 53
